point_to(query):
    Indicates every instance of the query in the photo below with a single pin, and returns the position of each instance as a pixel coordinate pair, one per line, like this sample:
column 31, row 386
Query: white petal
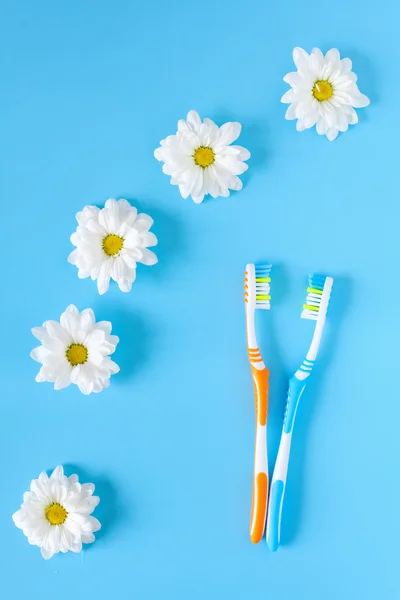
column 292, row 79
column 87, row 320
column 300, row 58
column 198, row 199
column 243, row 153
column 18, row 518
column 126, row 210
column 182, row 125
column 322, row 126
column 316, row 61
column 46, row 553
column 148, row 257
column 43, row 477
column 300, row 126
column 39, row 332
column 143, row 222
column 103, row 279
column 352, row 116
column 111, row 365
column 89, row 212
column 332, row 134
column 228, row 133
column 70, row 319
column 109, row 216
column 104, row 326
column 211, row 183
column 360, row 101
column 74, row 256
column 88, row 488
column 149, row 239
column 341, row 120
column 310, row 119
column 85, row 386
column 39, row 354
column 73, row 526
column 291, row 112
column 184, row 190
column 193, row 119
column 63, row 378
column 159, row 154
column 333, row 55
column 55, row 330
column 125, row 285
column 346, row 65
column 288, row 97
column 95, row 525
column 127, row 256
column 58, row 473
column 119, row 269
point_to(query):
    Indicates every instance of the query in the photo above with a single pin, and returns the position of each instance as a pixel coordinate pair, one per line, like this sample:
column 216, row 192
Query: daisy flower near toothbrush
column 110, row 242
column 56, row 513
column 201, row 159
column 76, row 350
column 323, row 92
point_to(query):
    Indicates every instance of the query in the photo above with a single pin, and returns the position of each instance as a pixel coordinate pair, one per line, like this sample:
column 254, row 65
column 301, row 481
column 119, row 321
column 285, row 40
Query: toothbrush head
column 256, row 286
column 318, row 295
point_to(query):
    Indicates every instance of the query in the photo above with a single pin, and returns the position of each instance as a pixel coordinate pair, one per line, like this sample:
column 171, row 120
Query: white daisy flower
column 200, row 158
column 76, row 350
column 324, row 92
column 55, row 514
column 110, row 242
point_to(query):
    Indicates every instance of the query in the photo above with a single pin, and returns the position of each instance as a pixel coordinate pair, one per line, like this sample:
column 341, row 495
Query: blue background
column 88, row 90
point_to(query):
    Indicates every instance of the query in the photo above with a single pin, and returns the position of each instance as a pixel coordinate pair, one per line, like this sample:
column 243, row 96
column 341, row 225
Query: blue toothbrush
column 315, row 308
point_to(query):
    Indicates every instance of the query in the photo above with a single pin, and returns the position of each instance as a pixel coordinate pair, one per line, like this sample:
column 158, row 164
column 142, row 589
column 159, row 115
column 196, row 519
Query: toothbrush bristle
column 263, row 280
column 256, row 285
column 315, row 292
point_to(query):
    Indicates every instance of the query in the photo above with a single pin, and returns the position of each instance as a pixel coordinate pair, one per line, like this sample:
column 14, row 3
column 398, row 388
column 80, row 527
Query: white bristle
column 256, row 289
column 314, row 299
column 263, row 287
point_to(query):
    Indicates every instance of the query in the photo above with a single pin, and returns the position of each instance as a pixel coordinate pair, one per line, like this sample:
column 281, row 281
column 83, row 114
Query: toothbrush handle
column 260, row 473
column 278, row 484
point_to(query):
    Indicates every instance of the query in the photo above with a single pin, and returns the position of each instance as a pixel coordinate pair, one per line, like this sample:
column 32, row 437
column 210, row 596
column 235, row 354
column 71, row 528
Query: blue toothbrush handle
column 278, row 484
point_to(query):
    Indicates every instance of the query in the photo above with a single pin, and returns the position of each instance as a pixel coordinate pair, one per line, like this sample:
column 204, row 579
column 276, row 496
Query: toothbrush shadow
column 274, row 361
column 294, row 495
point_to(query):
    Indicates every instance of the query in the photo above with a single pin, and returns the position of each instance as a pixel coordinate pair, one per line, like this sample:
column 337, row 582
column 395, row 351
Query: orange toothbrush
column 256, row 296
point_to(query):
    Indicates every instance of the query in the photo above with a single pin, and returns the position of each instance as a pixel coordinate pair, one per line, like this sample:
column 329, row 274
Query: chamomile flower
column 324, row 92
column 201, row 159
column 110, row 242
column 76, row 350
column 56, row 513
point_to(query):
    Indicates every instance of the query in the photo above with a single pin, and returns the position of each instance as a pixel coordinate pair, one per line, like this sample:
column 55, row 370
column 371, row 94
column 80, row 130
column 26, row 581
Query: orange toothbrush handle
column 260, row 475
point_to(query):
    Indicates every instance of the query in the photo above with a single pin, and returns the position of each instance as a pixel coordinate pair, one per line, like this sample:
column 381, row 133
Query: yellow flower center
column 204, row 156
column 55, row 514
column 76, row 354
column 112, row 244
column 322, row 90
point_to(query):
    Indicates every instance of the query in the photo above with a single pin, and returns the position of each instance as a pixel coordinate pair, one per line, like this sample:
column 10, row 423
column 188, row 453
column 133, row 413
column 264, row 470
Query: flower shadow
column 253, row 137
column 134, row 332
column 368, row 78
column 111, row 511
column 171, row 242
